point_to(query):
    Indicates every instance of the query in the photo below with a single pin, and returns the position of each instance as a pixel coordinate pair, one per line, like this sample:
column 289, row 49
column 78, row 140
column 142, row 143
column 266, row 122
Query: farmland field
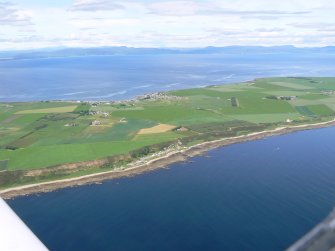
column 63, row 109
column 39, row 135
column 161, row 128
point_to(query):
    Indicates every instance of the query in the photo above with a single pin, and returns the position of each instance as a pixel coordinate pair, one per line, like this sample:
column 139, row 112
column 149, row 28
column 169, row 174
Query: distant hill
column 122, row 50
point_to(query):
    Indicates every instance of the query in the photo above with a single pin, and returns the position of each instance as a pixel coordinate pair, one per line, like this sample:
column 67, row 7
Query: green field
column 3, row 165
column 40, row 135
column 63, row 109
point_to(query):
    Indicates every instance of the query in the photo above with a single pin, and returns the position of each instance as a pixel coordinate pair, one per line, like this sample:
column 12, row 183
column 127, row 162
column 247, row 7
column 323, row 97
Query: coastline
column 153, row 164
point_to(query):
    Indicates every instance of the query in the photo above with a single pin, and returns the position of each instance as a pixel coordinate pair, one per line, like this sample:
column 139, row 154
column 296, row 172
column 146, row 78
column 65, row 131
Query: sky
column 26, row 24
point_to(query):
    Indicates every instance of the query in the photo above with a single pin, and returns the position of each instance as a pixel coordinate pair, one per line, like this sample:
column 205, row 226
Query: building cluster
column 282, row 97
column 96, row 123
column 287, row 97
column 182, row 129
column 100, row 113
column 178, row 146
column 71, row 125
column 328, row 93
column 158, row 96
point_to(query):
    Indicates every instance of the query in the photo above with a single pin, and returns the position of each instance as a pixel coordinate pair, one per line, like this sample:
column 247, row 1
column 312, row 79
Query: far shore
column 155, row 163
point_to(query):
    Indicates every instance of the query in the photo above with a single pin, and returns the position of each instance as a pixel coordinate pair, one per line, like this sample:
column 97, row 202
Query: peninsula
column 47, row 145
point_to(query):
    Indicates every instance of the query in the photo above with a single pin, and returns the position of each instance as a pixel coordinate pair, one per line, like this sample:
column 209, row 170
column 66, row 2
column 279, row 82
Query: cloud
column 87, row 28
column 174, row 8
column 166, row 23
column 21, row 39
column 312, row 25
column 95, row 23
column 226, row 32
column 95, row 5
column 270, row 30
column 10, row 15
column 191, row 8
column 254, row 13
column 317, row 27
column 262, row 17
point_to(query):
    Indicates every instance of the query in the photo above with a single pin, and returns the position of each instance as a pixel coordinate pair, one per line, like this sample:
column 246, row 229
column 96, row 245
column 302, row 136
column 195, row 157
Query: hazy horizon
column 56, row 48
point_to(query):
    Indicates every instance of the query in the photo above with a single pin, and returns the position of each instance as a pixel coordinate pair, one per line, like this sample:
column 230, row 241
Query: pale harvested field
column 157, row 129
column 62, row 109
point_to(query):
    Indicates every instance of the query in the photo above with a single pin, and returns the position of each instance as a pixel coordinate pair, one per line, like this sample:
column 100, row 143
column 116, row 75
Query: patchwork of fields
column 44, row 134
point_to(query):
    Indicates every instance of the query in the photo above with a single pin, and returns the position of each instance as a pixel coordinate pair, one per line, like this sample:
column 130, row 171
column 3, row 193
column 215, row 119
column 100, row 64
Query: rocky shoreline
column 160, row 162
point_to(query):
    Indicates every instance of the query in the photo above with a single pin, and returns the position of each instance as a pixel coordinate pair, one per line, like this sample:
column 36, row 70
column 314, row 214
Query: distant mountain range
column 122, row 50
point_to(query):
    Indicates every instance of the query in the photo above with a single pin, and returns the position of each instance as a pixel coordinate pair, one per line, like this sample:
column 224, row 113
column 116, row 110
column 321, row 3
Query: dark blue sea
column 260, row 195
column 124, row 77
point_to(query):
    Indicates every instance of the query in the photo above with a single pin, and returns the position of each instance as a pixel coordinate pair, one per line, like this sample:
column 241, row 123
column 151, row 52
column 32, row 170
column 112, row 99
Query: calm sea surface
column 260, row 195
column 123, row 77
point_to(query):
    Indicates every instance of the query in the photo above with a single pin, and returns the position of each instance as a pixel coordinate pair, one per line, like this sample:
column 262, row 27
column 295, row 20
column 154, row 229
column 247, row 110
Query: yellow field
column 62, row 109
column 157, row 129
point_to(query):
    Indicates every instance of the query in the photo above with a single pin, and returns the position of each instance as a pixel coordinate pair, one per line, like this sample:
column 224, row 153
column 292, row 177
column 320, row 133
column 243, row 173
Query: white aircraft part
column 14, row 234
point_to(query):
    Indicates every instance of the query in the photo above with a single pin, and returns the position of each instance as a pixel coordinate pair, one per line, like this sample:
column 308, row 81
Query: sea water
column 123, row 77
column 261, row 195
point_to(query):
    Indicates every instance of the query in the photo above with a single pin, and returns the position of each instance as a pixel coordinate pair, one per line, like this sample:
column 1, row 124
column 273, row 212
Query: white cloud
column 177, row 8
column 167, row 23
column 95, row 5
column 10, row 15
